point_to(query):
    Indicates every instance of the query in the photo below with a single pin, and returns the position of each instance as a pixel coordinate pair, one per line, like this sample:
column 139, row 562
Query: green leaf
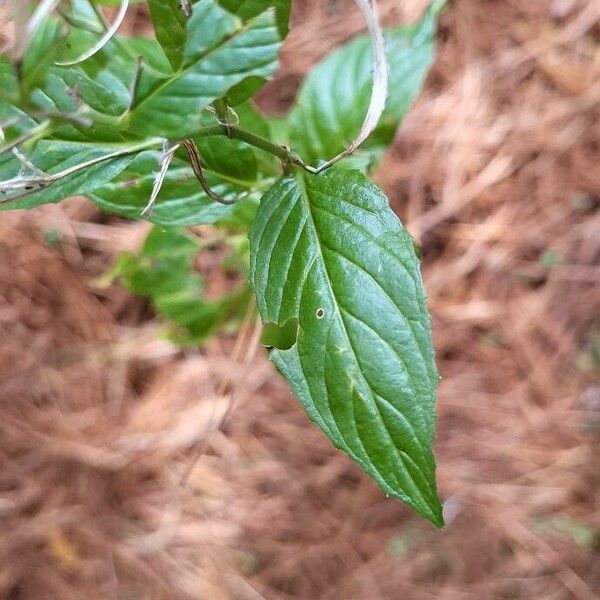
column 15, row 122
column 247, row 9
column 181, row 200
column 329, row 251
column 252, row 120
column 164, row 272
column 9, row 84
column 105, row 96
column 172, row 107
column 42, row 51
column 244, row 90
column 58, row 97
column 153, row 55
column 283, row 9
column 55, row 156
column 207, row 28
column 334, row 98
column 170, row 28
column 231, row 159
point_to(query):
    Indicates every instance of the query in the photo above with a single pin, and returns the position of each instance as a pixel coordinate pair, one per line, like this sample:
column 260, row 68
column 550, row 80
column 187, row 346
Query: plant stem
column 285, row 154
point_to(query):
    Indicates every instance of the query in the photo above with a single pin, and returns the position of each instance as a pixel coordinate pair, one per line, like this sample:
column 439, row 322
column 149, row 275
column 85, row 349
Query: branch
column 192, row 151
column 165, row 161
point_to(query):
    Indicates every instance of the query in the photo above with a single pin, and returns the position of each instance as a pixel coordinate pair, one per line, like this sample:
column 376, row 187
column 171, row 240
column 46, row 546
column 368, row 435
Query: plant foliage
column 166, row 129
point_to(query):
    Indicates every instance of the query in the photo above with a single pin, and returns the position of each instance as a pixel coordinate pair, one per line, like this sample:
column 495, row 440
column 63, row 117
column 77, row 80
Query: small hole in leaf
column 320, row 313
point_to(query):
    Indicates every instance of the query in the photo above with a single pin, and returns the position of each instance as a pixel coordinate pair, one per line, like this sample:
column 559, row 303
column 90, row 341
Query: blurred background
column 496, row 173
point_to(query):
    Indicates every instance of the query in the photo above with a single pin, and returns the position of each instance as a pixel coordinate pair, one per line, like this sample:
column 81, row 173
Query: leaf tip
column 436, row 514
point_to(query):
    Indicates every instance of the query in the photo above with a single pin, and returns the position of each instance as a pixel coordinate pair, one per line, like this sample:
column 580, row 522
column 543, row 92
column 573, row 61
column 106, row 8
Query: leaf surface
column 170, row 27
column 327, row 250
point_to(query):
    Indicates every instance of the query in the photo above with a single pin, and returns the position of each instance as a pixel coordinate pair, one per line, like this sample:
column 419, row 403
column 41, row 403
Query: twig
column 31, row 185
column 380, row 83
column 192, row 151
column 186, row 7
column 165, row 161
column 236, row 355
column 27, row 163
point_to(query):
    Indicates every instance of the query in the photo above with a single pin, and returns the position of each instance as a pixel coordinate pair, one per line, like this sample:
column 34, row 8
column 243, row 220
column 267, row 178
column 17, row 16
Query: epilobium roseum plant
column 165, row 129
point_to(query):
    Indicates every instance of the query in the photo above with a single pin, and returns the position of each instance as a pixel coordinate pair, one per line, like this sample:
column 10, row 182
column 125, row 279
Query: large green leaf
column 327, row 250
column 173, row 106
column 170, row 28
column 334, row 98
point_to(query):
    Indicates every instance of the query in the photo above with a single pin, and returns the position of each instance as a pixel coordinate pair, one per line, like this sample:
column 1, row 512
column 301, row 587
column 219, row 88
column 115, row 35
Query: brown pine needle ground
column 496, row 172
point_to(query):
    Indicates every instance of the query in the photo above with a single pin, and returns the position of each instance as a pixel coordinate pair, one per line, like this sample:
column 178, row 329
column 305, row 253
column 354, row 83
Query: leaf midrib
column 305, row 199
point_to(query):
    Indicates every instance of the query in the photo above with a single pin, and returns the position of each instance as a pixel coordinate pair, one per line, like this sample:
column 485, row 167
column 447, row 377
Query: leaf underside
column 329, row 251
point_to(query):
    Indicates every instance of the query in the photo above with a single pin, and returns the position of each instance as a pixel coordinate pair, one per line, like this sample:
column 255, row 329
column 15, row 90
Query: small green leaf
column 170, row 28
column 164, row 272
column 283, row 9
column 42, row 51
column 329, row 251
column 99, row 94
column 334, row 98
column 244, row 90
